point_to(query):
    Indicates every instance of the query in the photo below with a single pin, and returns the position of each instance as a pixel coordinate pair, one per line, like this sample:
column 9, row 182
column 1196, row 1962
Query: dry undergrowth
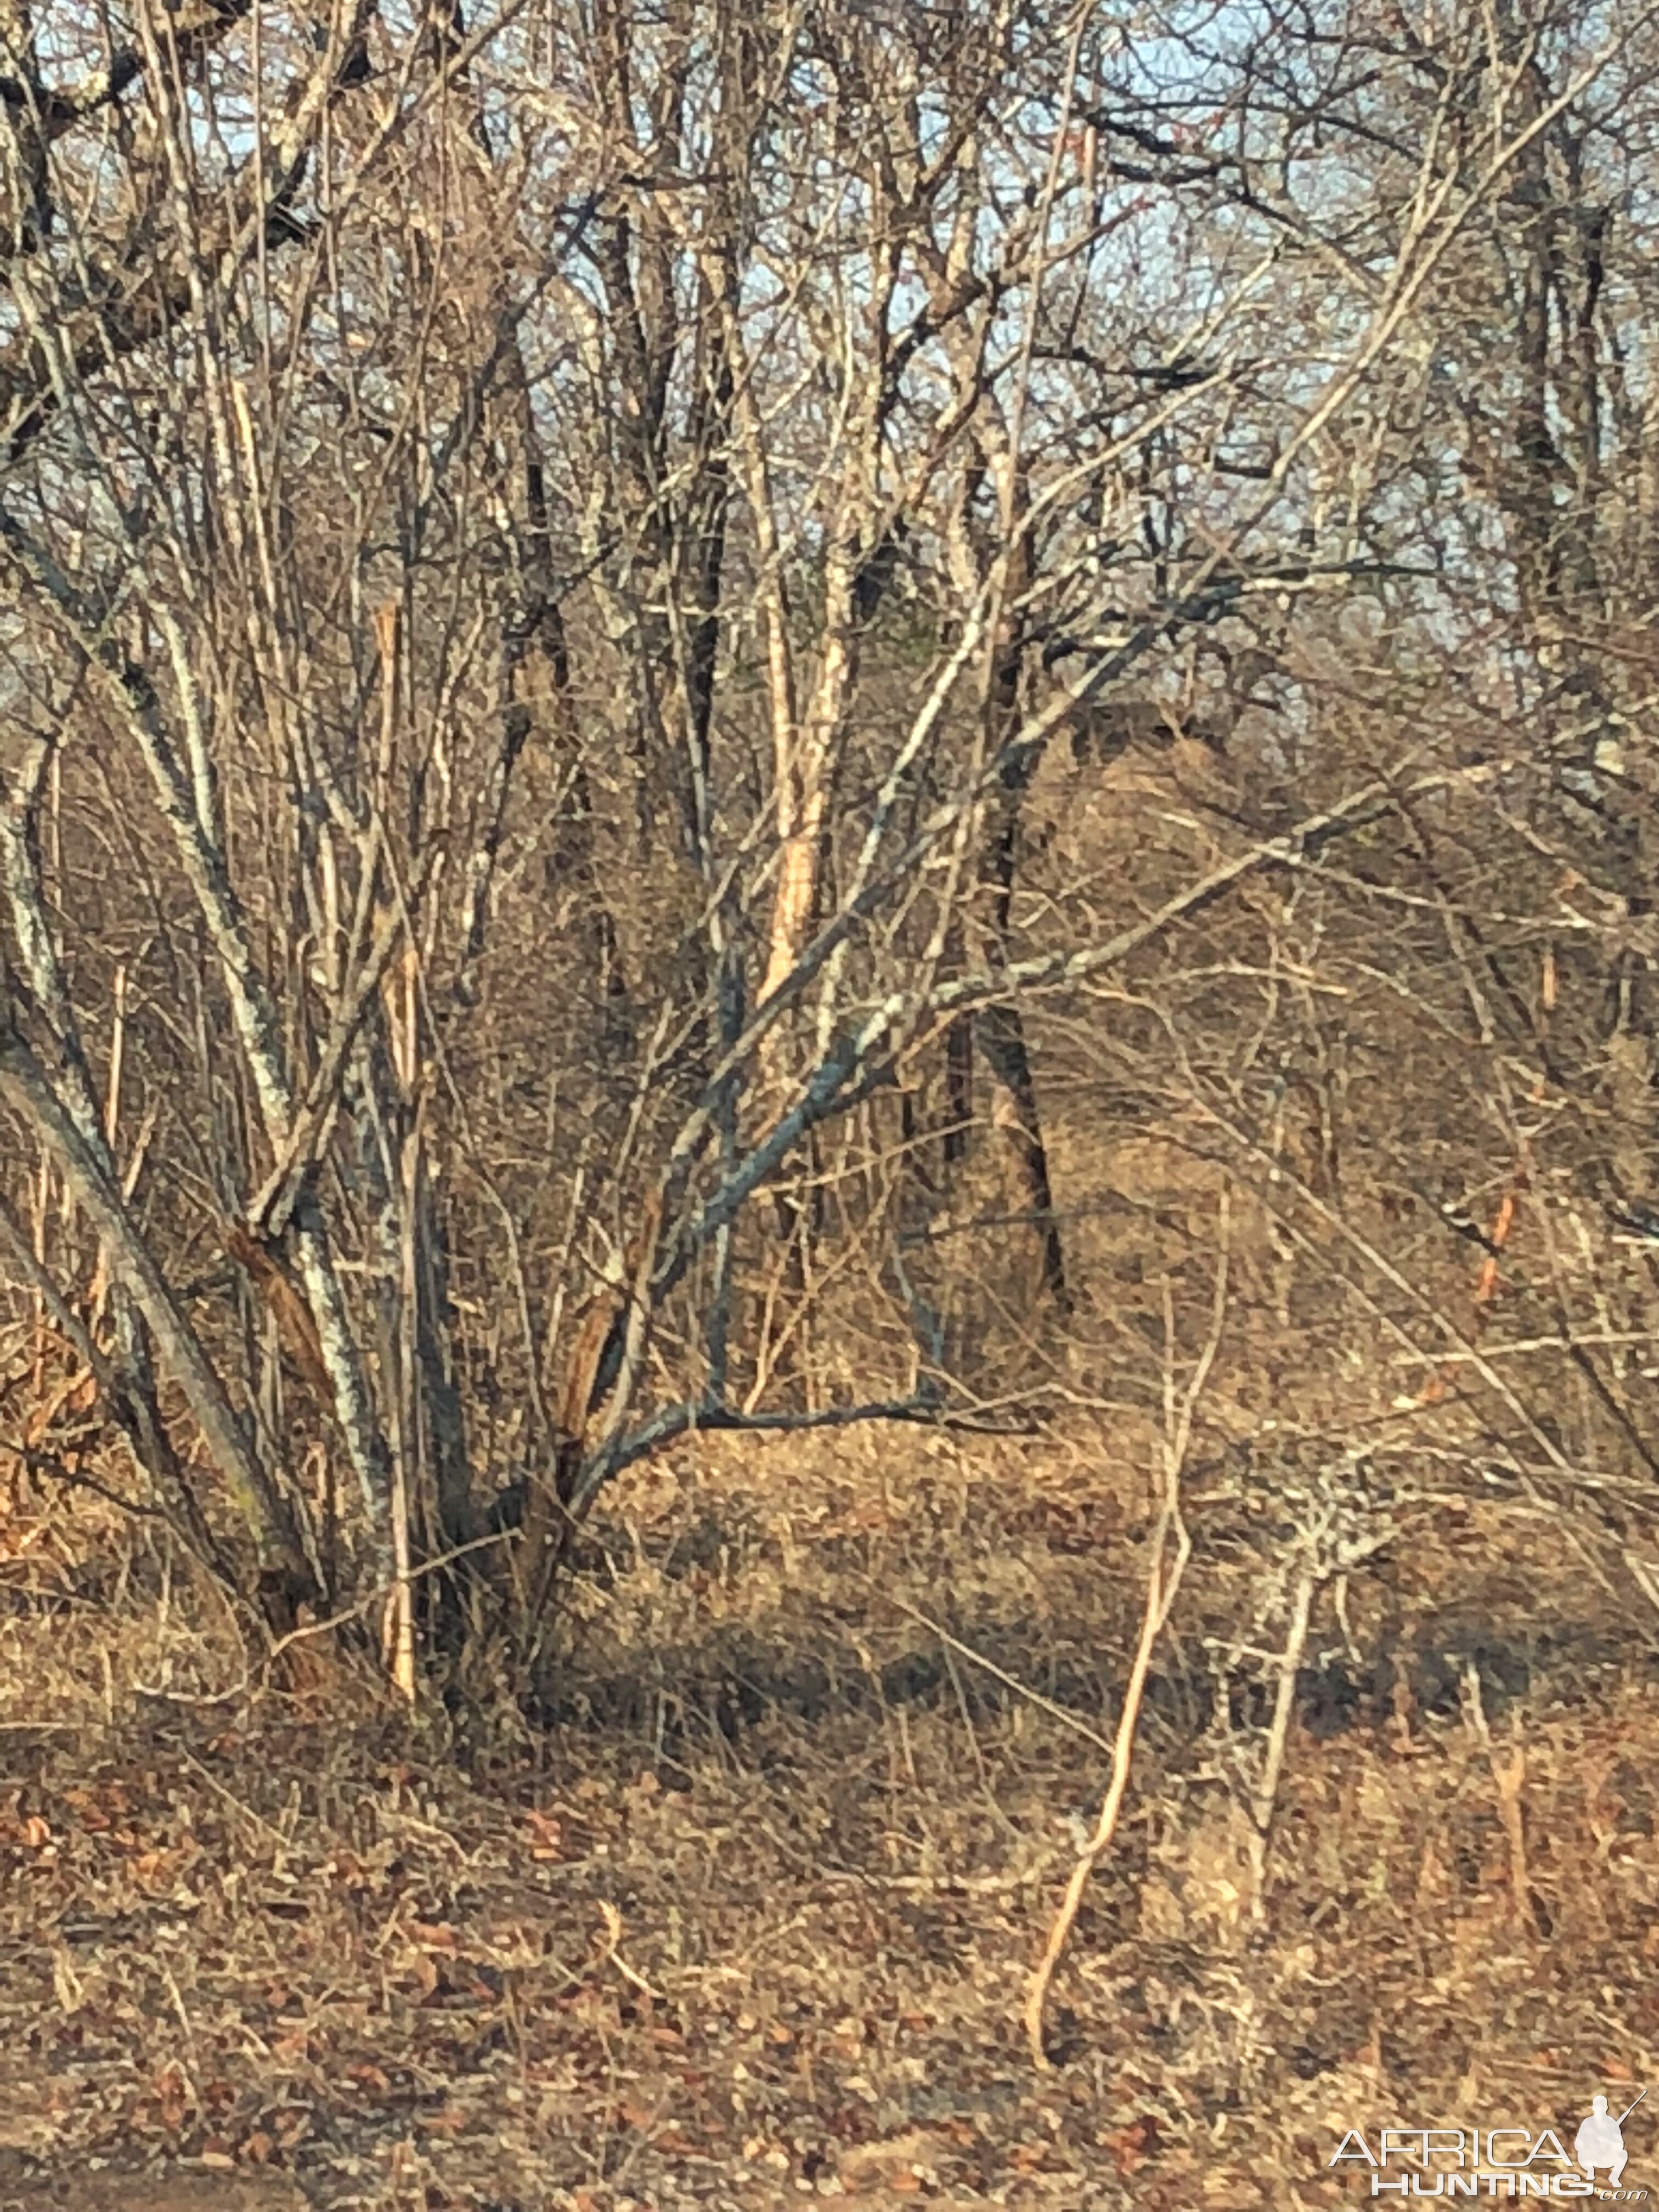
column 750, row 1921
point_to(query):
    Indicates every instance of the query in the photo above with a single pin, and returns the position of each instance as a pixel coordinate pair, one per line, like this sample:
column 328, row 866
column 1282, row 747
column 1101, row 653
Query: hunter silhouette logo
column 1503, row 2161
column 1600, row 2140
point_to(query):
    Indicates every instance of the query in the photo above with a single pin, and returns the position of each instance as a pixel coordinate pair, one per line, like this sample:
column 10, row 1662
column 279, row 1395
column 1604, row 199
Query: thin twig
column 1163, row 1573
column 1266, row 1797
column 312, row 1628
column 613, row 1952
column 1010, row 1681
column 1508, row 1776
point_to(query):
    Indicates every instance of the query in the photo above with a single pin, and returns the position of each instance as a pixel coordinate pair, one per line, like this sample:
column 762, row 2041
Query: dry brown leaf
column 1132, row 2146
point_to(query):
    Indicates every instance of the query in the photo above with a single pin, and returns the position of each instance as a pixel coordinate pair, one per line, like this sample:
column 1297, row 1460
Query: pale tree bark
column 658, row 547
column 125, row 1376
column 182, row 778
column 28, row 1089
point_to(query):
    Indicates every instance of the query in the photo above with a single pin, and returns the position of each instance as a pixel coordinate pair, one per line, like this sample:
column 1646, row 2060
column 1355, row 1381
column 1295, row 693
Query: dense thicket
column 708, row 712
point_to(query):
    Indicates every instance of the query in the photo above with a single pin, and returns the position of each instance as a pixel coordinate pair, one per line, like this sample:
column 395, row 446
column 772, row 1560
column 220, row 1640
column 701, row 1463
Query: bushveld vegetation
column 827, row 1060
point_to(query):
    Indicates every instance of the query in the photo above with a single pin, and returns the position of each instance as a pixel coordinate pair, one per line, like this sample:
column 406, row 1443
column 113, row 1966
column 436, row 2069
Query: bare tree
column 559, row 560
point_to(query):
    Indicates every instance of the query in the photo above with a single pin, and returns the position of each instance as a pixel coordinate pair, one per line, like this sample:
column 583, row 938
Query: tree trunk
column 26, row 1087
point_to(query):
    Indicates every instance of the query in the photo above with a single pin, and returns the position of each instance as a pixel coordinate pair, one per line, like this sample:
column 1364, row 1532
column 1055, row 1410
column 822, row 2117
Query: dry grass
column 751, row 1920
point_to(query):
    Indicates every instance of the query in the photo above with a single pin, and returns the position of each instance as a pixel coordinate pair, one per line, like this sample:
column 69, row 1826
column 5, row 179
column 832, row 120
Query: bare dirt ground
column 750, row 1922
